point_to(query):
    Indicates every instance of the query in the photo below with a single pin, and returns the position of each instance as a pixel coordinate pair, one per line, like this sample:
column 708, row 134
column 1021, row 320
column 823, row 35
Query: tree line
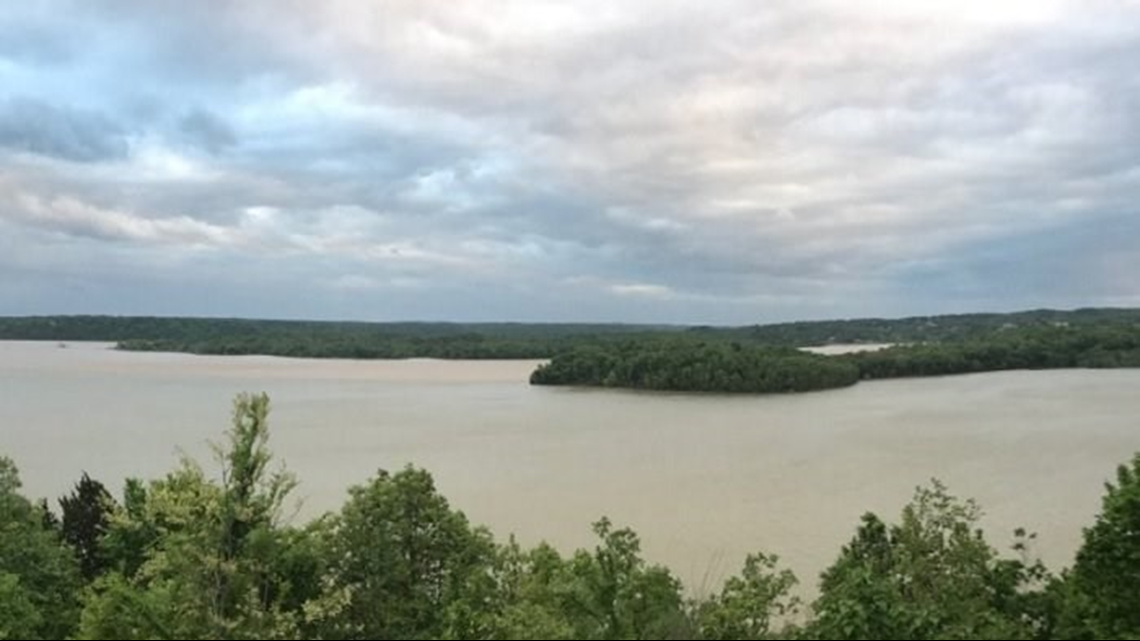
column 697, row 367
column 1047, row 347
column 700, row 366
column 198, row 556
column 362, row 340
column 321, row 339
column 921, row 329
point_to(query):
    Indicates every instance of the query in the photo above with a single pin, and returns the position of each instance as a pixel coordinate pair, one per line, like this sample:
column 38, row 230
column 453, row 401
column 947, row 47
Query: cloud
column 82, row 219
column 728, row 162
column 34, row 126
column 208, row 131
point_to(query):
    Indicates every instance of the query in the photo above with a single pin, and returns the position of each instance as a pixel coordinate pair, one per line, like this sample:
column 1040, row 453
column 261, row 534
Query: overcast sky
column 643, row 160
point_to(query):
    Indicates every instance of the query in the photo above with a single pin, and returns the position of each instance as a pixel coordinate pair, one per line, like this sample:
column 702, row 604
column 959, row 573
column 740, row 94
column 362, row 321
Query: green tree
column 520, row 598
column 121, row 609
column 1102, row 592
column 210, row 551
column 612, row 593
column 86, row 512
column 752, row 605
column 129, row 533
column 19, row 616
column 403, row 557
column 39, row 578
column 932, row 576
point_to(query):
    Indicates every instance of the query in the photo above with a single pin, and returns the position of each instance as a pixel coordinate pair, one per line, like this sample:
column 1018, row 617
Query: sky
column 714, row 162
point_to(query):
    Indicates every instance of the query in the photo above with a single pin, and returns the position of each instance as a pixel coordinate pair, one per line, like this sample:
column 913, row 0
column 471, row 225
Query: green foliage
column 188, row 556
column 752, row 605
column 922, row 329
column 682, row 364
column 129, row 533
column 210, row 552
column 1050, row 347
column 540, row 340
column 609, row 592
column 39, row 577
column 686, row 366
column 403, row 557
column 520, row 597
column 613, row 593
column 20, row 618
column 311, row 339
column 86, row 512
column 758, row 359
column 117, row 608
column 932, row 576
column 1102, row 595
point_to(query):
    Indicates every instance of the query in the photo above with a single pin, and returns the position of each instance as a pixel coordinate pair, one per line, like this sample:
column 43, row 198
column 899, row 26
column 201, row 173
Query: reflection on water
column 848, row 348
column 704, row 479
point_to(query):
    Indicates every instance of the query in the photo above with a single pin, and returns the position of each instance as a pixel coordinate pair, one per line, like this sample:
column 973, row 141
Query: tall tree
column 614, row 594
column 1103, row 591
column 754, row 605
column 86, row 512
column 39, row 578
column 210, row 563
column 931, row 576
column 404, row 556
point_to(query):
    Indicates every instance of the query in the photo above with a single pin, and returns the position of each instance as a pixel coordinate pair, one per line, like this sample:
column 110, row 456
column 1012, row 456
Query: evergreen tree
column 85, row 516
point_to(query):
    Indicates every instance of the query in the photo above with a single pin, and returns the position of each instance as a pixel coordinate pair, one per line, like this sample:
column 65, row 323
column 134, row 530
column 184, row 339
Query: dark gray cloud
column 728, row 162
column 37, row 127
column 206, row 130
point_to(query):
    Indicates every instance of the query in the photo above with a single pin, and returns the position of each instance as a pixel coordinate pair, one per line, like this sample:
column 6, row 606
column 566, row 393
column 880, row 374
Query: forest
column 206, row 553
column 759, row 359
column 314, row 339
column 685, row 365
column 319, row 339
column 1034, row 347
column 922, row 329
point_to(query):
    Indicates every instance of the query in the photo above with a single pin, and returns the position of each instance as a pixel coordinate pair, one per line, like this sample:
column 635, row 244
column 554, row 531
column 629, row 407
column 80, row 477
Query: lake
column 703, row 479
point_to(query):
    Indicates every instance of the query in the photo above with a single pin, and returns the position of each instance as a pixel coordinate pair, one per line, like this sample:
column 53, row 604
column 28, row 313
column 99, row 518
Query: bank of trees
column 319, row 339
column 922, row 329
column 310, row 339
column 196, row 555
column 700, row 367
column 1050, row 347
column 718, row 366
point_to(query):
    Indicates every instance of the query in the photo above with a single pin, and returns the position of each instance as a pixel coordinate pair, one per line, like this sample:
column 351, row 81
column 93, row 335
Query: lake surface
column 703, row 479
column 847, row 348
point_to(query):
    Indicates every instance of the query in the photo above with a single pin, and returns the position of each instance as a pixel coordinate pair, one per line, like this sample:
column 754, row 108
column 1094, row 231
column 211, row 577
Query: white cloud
column 729, row 159
column 642, row 290
column 74, row 216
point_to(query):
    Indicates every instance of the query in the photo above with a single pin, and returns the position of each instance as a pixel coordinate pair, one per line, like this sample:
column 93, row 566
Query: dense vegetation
column 687, row 366
column 757, row 359
column 190, row 556
column 919, row 329
column 1095, row 346
column 313, row 339
column 510, row 340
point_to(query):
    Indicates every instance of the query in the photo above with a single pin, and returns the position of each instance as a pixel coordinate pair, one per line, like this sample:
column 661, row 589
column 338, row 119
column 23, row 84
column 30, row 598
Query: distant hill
column 920, row 328
column 319, row 339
